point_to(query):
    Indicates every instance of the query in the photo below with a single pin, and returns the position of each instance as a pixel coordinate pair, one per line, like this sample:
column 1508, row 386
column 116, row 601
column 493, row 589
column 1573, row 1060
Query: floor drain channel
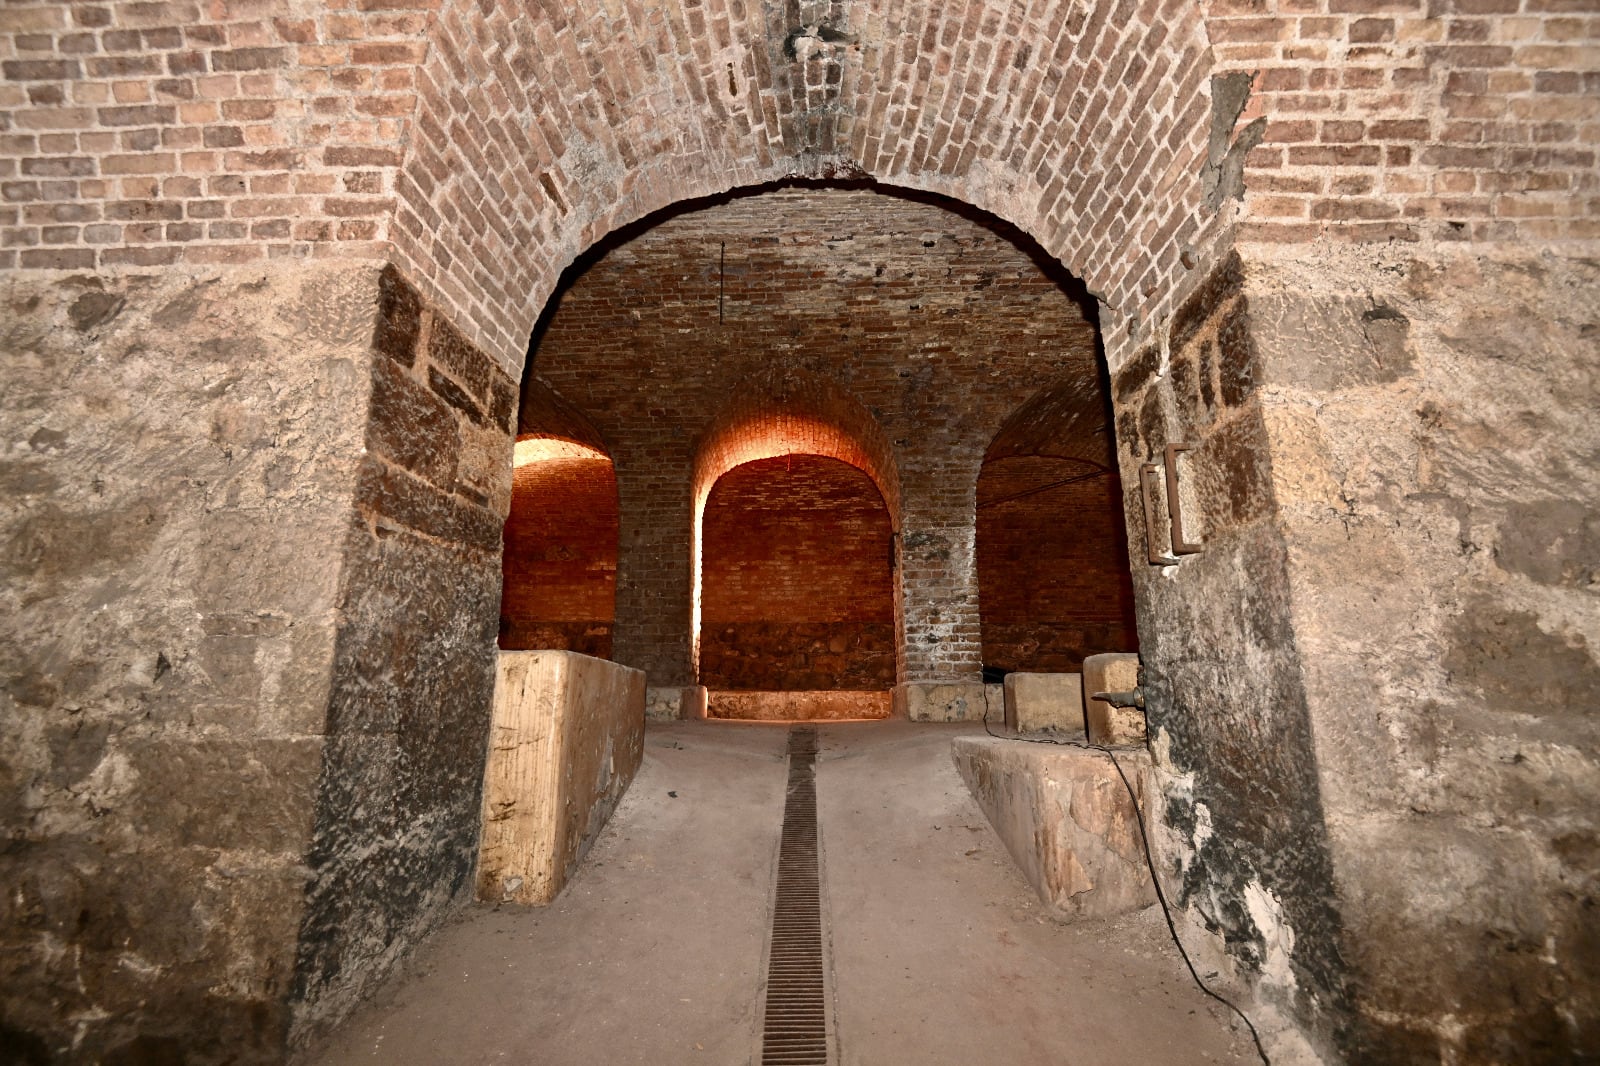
column 795, row 1028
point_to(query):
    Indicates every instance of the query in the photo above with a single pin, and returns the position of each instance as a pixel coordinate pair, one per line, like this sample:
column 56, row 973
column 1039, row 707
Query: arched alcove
column 1053, row 575
column 560, row 556
column 797, row 591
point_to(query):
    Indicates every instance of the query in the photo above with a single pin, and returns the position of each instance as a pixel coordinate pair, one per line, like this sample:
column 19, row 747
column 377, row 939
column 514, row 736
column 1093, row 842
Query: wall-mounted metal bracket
column 1181, row 544
column 1147, row 476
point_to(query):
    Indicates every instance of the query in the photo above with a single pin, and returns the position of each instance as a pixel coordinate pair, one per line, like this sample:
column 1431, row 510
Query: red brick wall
column 1447, row 120
column 150, row 133
column 143, row 134
column 796, row 586
column 1053, row 575
column 560, row 560
column 908, row 332
column 579, row 120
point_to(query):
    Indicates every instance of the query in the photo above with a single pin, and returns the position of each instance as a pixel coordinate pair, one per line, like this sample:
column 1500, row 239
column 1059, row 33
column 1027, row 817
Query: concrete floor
column 654, row 953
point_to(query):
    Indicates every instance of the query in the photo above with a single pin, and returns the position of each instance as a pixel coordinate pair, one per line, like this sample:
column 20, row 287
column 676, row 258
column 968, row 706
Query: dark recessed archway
column 1051, row 542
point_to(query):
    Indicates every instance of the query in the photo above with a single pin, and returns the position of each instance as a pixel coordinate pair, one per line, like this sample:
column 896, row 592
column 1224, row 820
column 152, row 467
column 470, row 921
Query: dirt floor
column 940, row 952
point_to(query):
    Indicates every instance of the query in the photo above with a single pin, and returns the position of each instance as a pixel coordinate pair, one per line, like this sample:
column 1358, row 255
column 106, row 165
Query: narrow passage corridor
column 939, row 951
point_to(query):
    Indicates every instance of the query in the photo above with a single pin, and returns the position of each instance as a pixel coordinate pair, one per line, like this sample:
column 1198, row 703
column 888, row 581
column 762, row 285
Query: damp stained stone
column 94, row 309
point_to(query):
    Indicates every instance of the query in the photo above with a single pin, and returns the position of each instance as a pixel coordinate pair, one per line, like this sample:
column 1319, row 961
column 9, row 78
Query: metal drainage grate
column 796, row 1022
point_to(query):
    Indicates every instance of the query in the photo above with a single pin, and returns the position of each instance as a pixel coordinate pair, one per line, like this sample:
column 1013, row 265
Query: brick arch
column 545, row 413
column 539, row 129
column 1069, row 420
column 1051, row 545
column 558, row 561
column 787, row 412
column 791, row 411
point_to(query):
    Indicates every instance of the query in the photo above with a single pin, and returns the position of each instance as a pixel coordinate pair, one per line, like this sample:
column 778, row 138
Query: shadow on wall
column 1052, row 552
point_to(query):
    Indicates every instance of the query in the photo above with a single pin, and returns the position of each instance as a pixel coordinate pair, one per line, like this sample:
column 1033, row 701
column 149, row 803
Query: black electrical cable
column 1150, row 863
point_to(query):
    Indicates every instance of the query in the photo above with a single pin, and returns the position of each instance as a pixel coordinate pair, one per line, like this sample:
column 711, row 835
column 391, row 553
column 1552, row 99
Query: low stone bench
column 566, row 739
column 1065, row 817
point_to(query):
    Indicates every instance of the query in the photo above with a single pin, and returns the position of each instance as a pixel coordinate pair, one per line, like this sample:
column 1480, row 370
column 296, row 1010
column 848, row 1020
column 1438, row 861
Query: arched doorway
column 1126, row 204
column 1052, row 544
column 796, row 601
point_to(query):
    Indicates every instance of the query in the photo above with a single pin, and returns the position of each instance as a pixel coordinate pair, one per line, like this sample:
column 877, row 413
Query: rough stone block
column 1044, row 701
column 1067, row 820
column 673, row 703
column 567, row 738
column 939, row 701
column 1107, row 724
column 836, row 705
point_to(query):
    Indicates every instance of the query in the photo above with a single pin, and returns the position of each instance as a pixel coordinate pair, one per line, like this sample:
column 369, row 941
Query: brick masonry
column 480, row 147
column 559, row 562
column 1053, row 575
column 798, row 592
column 839, row 322
column 152, row 133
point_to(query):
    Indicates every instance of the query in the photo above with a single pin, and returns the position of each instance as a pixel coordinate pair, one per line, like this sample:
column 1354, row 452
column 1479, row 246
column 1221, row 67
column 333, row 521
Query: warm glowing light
column 542, row 449
column 766, row 435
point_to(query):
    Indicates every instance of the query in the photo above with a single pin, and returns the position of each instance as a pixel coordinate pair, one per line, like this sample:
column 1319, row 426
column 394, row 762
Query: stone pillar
column 182, row 456
column 1224, row 686
column 1436, row 464
column 396, row 831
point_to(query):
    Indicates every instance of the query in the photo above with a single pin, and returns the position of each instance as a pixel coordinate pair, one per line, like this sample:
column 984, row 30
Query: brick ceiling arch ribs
column 1070, row 420
column 796, row 414
column 544, row 413
column 540, row 129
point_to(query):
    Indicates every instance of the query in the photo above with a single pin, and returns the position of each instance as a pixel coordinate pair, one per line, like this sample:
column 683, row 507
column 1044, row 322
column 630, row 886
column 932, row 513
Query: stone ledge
column 1064, row 815
column 675, row 703
column 941, row 701
column 567, row 738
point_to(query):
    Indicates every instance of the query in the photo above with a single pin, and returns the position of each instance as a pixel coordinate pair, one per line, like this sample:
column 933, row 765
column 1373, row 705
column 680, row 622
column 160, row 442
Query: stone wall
column 178, row 481
column 1378, row 795
column 1435, row 464
column 1226, row 701
column 397, row 802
